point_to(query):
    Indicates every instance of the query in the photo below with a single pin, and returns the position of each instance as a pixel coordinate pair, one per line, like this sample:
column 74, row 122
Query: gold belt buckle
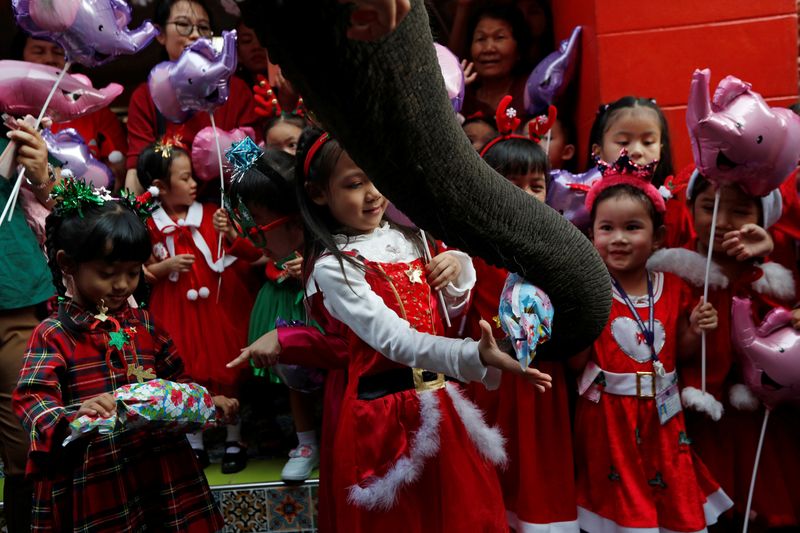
column 639, row 376
column 421, row 385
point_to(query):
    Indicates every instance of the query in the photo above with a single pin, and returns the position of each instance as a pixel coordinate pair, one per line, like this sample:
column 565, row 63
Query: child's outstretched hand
column 468, row 68
column 443, row 269
column 180, row 263
column 103, row 405
column 223, row 225
column 229, row 406
column 703, row 317
column 264, row 351
column 294, row 267
column 493, row 356
column 749, row 241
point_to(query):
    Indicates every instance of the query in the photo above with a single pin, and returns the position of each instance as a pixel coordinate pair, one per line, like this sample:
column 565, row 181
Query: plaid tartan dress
column 134, row 480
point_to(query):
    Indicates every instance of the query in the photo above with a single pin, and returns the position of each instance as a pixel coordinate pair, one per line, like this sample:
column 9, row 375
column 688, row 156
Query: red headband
column 313, row 151
column 507, row 121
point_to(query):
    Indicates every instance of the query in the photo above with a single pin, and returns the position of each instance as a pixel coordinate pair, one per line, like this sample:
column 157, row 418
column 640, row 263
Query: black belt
column 382, row 384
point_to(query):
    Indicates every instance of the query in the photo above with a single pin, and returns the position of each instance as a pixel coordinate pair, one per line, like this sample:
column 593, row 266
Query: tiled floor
column 253, row 502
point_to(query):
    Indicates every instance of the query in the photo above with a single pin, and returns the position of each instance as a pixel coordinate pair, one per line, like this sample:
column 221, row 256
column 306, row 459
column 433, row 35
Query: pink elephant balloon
column 24, row 87
column 91, row 32
column 737, row 138
column 452, row 74
column 205, row 162
column 566, row 193
column 69, row 147
column 197, row 81
column 551, row 77
column 770, row 353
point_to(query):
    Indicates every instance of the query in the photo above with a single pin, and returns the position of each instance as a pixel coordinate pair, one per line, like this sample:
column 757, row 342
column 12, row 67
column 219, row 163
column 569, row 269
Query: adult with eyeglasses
column 181, row 22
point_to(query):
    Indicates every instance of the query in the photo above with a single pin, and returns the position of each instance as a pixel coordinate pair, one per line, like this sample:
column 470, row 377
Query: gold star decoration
column 118, row 339
column 414, row 275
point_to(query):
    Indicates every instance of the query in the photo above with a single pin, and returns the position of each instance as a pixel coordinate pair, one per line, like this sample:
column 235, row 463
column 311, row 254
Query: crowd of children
column 301, row 277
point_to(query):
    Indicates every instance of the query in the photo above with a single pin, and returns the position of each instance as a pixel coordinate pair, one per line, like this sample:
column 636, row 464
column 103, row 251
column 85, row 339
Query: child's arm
column 297, row 345
column 351, row 300
column 37, row 399
column 702, row 318
column 178, row 263
column 223, row 225
column 749, row 241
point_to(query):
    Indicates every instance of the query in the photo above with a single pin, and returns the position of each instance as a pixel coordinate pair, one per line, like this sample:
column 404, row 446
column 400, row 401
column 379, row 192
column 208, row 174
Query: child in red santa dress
column 635, row 467
column 412, row 452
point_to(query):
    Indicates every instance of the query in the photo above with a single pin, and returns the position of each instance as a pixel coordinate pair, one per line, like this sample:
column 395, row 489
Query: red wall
column 650, row 48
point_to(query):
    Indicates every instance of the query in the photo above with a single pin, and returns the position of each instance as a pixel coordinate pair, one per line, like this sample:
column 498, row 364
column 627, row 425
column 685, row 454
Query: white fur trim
column 742, row 398
column 520, row 526
column 488, row 440
column 687, row 265
column 380, row 493
column 777, row 282
column 772, row 208
column 595, row 523
column 716, row 503
column 702, row 402
column 153, row 190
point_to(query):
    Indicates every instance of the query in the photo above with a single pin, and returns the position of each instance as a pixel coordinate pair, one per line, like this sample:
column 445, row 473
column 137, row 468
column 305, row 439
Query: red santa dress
column 412, row 452
column 635, row 474
column 539, row 482
column 208, row 333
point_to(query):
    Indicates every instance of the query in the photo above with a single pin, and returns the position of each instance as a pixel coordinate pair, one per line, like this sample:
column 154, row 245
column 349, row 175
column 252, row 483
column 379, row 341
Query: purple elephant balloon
column 197, row 81
column 566, row 193
column 24, row 87
column 552, row 75
column 452, row 74
column 738, row 138
column 69, row 147
column 770, row 353
column 91, row 32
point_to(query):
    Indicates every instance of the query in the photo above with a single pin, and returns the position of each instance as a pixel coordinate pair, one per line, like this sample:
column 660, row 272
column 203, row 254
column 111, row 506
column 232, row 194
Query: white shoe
column 303, row 460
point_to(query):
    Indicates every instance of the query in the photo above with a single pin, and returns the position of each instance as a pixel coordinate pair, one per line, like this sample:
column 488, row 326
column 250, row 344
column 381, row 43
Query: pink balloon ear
column 728, row 89
column 54, row 15
column 699, row 105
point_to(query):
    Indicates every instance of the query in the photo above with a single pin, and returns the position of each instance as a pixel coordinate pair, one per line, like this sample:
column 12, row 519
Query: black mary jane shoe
column 234, row 462
column 202, row 458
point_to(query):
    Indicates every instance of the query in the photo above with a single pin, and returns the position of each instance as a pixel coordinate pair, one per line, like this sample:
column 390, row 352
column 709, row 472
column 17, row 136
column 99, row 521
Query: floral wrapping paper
column 157, row 404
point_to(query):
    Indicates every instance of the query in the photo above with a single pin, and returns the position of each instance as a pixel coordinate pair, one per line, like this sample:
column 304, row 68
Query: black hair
column 163, row 8
column 570, row 137
column 520, row 31
column 605, row 117
column 111, row 231
column 517, row 156
column 701, row 184
column 480, row 119
column 269, row 183
column 630, row 191
column 18, row 43
column 289, row 118
column 320, row 225
column 152, row 165
column 795, row 108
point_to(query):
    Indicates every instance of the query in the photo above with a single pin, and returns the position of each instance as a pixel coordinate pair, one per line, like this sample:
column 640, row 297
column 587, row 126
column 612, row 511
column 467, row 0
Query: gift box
column 157, row 404
column 525, row 315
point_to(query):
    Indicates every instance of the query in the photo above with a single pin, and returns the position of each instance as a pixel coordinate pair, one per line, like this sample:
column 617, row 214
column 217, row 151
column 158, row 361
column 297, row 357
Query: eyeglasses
column 185, row 28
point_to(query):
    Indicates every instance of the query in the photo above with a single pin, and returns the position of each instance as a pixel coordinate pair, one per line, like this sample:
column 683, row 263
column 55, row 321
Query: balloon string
column 547, row 142
column 705, row 287
column 427, row 254
column 755, row 471
column 220, row 253
column 12, row 198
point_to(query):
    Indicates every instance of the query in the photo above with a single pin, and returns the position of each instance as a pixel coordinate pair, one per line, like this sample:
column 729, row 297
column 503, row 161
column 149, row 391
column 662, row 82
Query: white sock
column 307, row 438
column 196, row 440
column 234, row 434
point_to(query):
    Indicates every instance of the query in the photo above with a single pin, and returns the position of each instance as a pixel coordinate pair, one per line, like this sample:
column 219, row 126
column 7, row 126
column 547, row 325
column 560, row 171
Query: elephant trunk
column 386, row 103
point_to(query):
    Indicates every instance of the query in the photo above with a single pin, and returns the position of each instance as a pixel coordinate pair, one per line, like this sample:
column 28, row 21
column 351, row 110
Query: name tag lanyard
column 648, row 331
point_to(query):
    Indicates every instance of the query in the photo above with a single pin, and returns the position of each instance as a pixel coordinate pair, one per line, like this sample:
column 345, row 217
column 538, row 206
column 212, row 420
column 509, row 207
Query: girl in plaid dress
column 133, row 480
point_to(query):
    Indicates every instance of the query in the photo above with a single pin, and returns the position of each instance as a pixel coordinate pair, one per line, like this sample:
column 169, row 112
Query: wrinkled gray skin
column 386, row 102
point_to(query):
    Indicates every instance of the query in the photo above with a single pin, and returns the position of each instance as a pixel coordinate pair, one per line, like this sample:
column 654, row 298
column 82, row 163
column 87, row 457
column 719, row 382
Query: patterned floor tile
column 243, row 510
column 290, row 509
column 315, row 504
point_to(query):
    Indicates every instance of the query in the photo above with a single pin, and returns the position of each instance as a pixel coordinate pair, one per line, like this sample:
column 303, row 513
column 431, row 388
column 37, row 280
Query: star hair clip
column 165, row 145
column 624, row 165
column 242, row 155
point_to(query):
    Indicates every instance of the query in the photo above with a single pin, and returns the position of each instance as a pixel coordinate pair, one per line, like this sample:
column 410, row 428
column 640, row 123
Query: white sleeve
column 353, row 302
column 456, row 293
